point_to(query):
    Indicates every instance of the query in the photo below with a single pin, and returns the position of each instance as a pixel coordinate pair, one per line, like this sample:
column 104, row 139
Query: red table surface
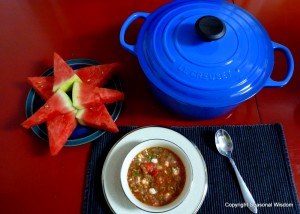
column 32, row 181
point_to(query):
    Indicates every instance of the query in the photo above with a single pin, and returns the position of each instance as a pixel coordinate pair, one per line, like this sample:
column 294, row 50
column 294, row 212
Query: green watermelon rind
column 68, row 104
column 79, row 115
column 75, row 96
column 67, row 84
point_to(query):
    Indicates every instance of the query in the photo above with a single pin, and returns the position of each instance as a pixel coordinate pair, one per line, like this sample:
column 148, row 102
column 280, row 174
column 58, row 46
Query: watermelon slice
column 59, row 130
column 59, row 103
column 64, row 76
column 98, row 75
column 59, row 113
column 42, row 85
column 97, row 117
column 109, row 96
column 85, row 95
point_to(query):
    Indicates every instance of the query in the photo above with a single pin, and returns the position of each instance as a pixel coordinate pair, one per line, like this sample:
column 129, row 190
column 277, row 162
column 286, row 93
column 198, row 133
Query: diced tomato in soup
column 156, row 176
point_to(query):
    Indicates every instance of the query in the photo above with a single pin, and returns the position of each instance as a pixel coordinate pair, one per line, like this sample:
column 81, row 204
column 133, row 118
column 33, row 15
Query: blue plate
column 81, row 134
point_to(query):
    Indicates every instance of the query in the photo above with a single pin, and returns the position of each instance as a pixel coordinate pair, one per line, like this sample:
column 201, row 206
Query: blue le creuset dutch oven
column 204, row 58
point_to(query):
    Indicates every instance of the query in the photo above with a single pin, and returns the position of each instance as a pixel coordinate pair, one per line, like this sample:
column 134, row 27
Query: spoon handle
column 245, row 191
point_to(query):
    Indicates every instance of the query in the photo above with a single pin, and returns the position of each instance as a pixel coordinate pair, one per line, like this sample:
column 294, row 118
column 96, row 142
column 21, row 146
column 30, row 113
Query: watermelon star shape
column 87, row 106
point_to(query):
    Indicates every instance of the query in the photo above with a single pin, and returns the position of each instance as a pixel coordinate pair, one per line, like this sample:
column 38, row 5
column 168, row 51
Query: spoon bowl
column 224, row 145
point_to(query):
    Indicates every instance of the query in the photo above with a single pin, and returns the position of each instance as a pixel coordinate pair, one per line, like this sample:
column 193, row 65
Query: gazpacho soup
column 156, row 176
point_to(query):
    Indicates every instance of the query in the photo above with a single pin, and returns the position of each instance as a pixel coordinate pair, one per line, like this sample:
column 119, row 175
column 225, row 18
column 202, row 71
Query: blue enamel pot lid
column 198, row 71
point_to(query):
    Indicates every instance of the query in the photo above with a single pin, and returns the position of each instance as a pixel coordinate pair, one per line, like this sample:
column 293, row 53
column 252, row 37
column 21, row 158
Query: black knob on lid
column 210, row 28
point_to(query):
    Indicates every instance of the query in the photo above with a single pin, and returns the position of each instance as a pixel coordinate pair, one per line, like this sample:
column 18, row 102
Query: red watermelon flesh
column 59, row 103
column 42, row 85
column 97, row 117
column 109, row 96
column 85, row 95
column 59, row 130
column 64, row 76
column 98, row 75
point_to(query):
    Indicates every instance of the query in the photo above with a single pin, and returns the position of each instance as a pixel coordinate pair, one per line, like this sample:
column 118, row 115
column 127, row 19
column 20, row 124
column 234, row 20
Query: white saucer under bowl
column 111, row 183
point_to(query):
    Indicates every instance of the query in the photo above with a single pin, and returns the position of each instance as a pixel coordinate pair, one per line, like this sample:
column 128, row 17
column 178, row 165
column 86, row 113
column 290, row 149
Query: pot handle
column 290, row 67
column 127, row 23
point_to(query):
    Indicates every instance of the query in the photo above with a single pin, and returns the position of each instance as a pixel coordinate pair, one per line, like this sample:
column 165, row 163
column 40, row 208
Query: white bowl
column 164, row 144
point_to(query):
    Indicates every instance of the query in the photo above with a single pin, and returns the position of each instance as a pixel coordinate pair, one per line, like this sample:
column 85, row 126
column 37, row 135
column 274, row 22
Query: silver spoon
column 224, row 145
